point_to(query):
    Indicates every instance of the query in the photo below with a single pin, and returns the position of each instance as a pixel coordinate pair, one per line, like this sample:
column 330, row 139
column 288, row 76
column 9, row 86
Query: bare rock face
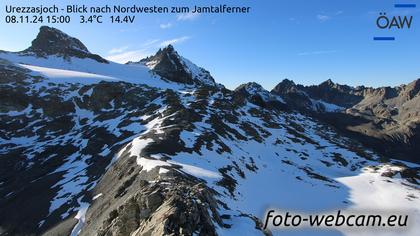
column 118, row 158
column 341, row 95
column 168, row 64
column 29, row 172
column 293, row 95
column 411, row 90
column 51, row 41
column 151, row 203
column 257, row 95
column 386, row 118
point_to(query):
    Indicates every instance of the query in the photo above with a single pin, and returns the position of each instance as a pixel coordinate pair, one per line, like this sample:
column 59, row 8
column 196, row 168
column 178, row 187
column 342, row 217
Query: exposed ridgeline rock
column 86, row 149
column 68, row 135
column 386, row 118
column 291, row 93
column 257, row 95
column 51, row 41
column 58, row 141
column 168, row 64
column 298, row 99
column 340, row 95
column 151, row 202
column 411, row 90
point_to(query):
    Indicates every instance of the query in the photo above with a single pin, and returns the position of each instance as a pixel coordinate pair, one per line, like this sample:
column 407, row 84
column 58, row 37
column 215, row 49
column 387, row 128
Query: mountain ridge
column 383, row 116
column 89, row 148
column 51, row 41
column 168, row 64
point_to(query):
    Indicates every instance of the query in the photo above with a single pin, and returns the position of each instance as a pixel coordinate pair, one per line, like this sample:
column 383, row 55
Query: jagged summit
column 251, row 87
column 284, row 86
column 412, row 89
column 328, row 82
column 256, row 94
column 169, row 49
column 292, row 94
column 163, row 55
column 387, row 115
column 89, row 148
column 51, row 41
column 168, row 64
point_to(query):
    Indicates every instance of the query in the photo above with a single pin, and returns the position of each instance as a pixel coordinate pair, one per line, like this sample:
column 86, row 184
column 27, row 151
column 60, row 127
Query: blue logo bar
column 405, row 5
column 384, row 38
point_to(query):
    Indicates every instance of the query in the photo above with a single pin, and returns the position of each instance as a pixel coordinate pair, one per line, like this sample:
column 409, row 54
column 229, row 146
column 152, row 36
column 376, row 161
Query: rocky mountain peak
column 127, row 156
column 163, row 53
column 288, row 82
column 169, row 49
column 328, row 83
column 249, row 87
column 168, row 64
column 413, row 88
column 331, row 86
column 285, row 87
column 256, row 94
column 166, row 55
column 51, row 41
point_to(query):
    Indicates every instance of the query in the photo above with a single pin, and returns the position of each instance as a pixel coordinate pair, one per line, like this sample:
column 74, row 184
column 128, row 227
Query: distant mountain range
column 158, row 147
column 385, row 119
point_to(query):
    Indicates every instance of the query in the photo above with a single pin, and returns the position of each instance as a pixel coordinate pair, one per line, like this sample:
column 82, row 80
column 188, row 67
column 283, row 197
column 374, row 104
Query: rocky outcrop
column 168, row 64
column 51, row 41
column 385, row 118
column 330, row 92
column 59, row 128
column 257, row 95
column 151, row 203
column 293, row 95
column 118, row 158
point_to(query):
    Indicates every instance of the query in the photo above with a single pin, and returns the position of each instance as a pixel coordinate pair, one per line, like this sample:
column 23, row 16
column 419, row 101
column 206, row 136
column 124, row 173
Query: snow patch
column 97, row 196
column 319, row 105
column 81, row 214
column 150, row 164
column 197, row 171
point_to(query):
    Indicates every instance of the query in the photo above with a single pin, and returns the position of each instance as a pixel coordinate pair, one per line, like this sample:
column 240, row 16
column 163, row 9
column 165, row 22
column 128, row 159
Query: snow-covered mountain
column 157, row 147
column 386, row 119
column 171, row 66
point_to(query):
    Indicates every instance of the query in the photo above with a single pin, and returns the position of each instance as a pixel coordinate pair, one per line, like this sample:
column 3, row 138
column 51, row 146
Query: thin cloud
column 118, row 50
column 135, row 55
column 150, row 43
column 174, row 41
column 188, row 16
column 323, row 18
column 166, row 26
column 124, row 55
column 294, row 20
column 316, row 52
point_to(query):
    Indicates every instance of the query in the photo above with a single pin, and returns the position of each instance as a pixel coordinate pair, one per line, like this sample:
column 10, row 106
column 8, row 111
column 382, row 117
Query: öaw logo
column 396, row 22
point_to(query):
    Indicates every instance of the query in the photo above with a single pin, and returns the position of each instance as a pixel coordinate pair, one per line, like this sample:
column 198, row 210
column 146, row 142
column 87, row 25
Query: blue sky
column 306, row 41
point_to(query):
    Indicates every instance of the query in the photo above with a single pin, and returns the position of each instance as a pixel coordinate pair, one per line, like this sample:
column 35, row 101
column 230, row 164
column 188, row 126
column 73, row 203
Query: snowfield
column 312, row 170
column 67, row 75
column 283, row 176
column 88, row 71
